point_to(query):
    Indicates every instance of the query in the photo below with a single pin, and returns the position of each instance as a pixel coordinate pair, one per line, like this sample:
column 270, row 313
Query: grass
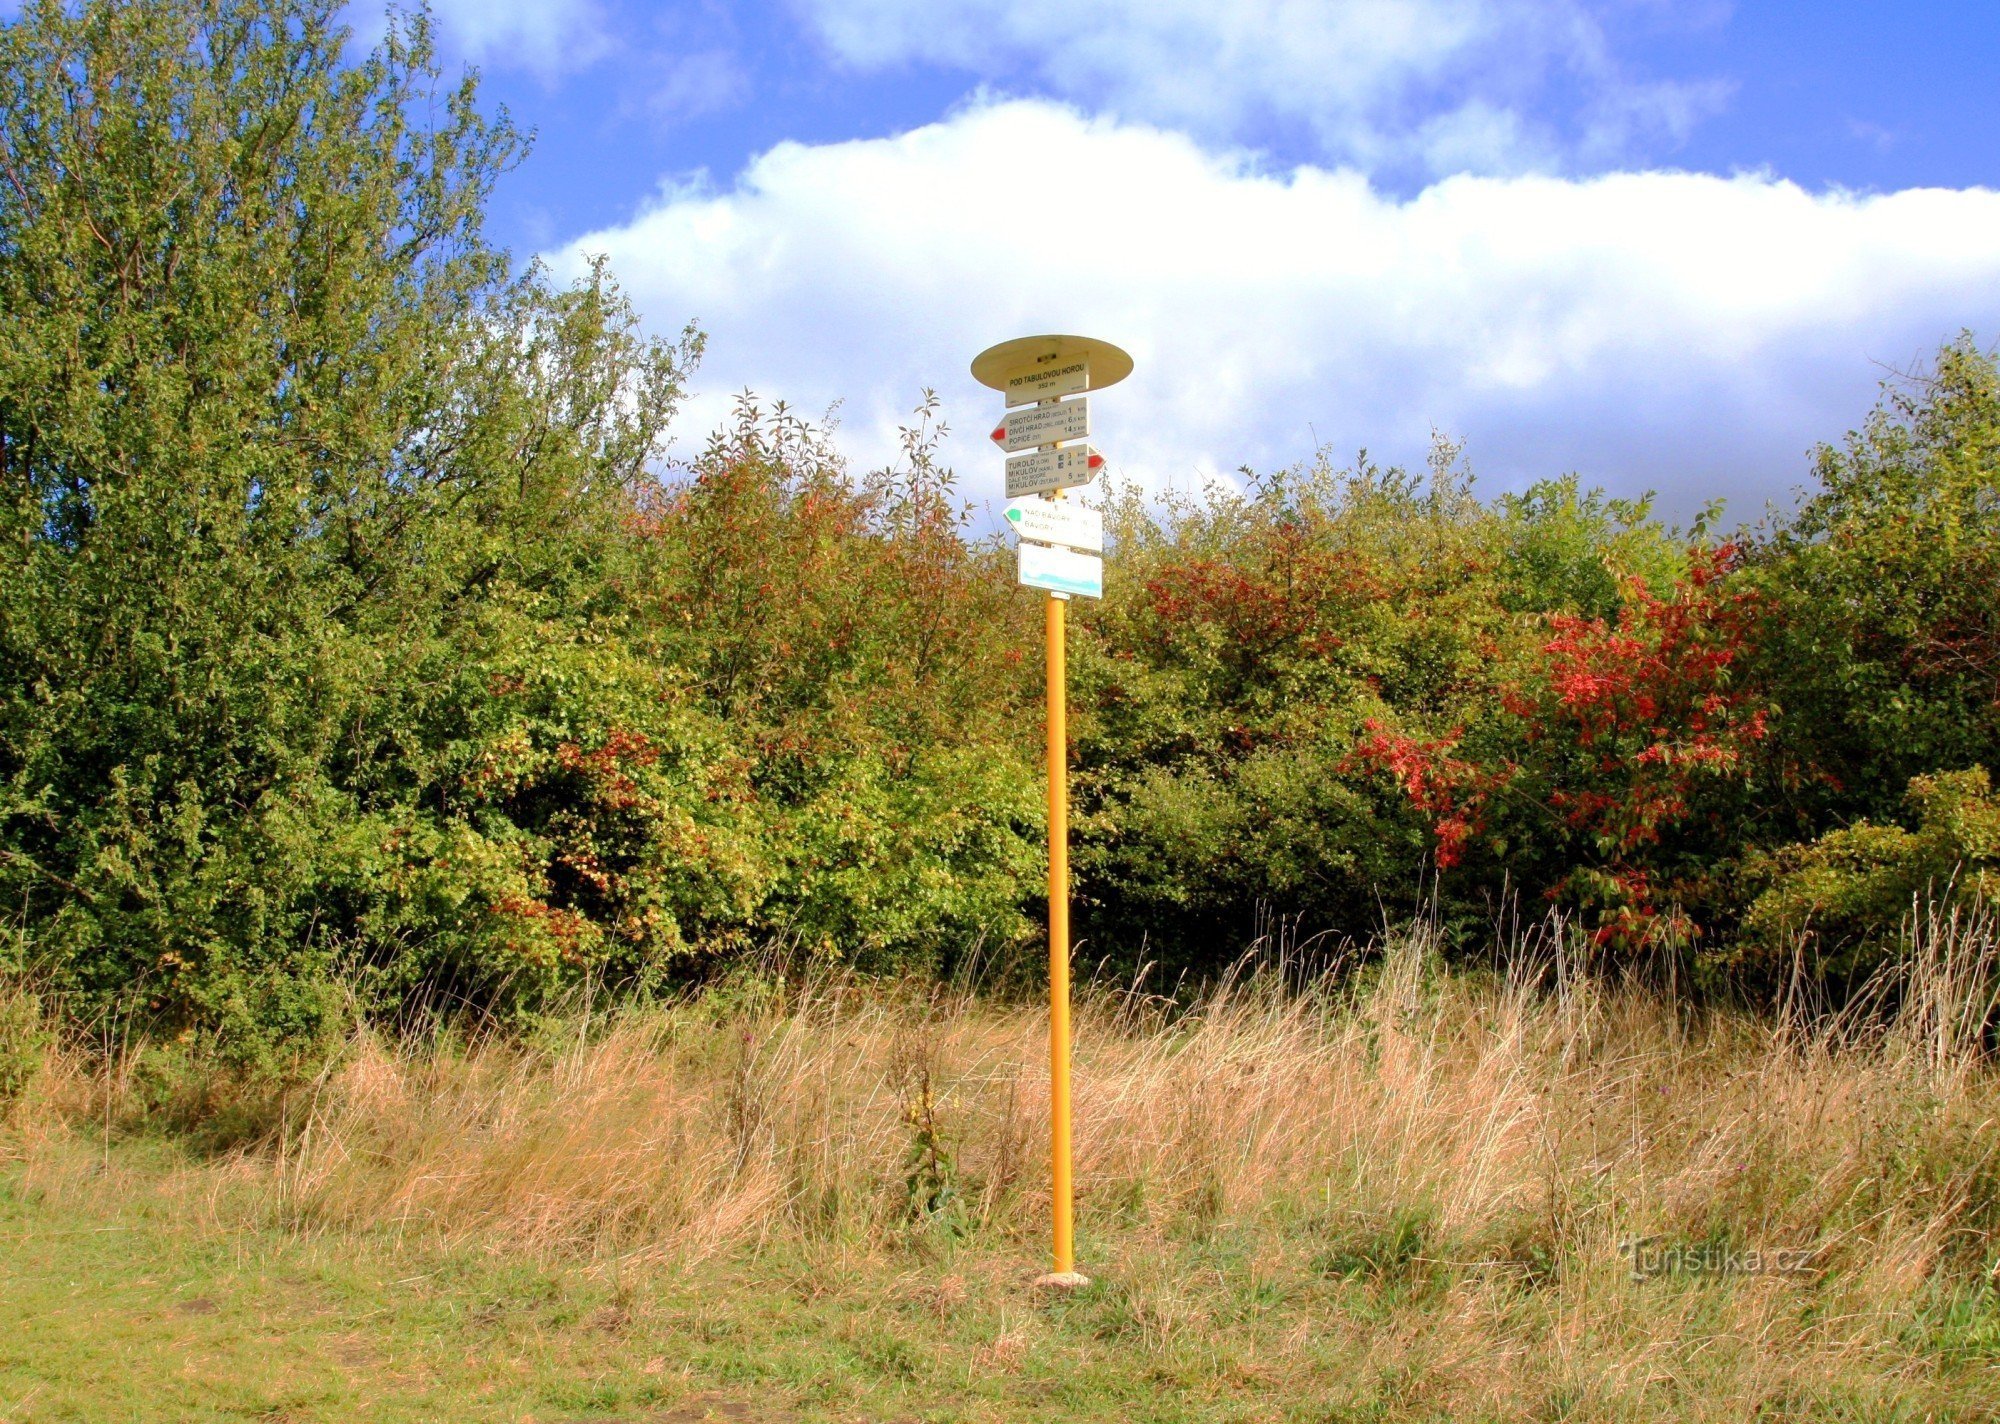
column 1411, row 1199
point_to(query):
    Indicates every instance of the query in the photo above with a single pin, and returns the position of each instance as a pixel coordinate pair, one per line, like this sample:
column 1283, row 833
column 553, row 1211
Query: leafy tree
column 1319, row 695
column 868, row 663
column 275, row 425
column 1244, row 642
column 1885, row 654
column 1569, row 550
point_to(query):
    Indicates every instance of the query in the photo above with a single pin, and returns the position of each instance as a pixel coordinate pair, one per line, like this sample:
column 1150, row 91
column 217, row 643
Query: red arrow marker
column 1094, row 461
column 1000, row 435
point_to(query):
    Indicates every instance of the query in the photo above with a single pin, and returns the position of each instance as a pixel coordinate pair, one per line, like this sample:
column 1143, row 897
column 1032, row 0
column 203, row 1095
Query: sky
column 1664, row 244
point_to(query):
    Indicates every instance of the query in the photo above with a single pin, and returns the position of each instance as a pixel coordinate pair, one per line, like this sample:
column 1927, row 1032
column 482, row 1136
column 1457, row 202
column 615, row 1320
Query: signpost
column 1054, row 535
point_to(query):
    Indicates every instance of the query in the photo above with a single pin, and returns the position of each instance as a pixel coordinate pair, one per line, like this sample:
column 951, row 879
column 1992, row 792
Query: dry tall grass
column 1474, row 1154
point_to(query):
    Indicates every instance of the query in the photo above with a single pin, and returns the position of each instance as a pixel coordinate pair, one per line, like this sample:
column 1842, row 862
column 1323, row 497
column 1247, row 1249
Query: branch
column 69, row 885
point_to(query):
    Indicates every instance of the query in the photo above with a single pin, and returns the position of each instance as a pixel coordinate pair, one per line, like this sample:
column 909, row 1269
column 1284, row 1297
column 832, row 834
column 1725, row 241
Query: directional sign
column 1062, row 570
column 1048, row 470
column 1043, row 425
column 1057, row 521
column 1057, row 378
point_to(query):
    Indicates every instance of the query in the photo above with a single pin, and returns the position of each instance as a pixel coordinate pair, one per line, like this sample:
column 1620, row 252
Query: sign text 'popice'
column 1047, row 424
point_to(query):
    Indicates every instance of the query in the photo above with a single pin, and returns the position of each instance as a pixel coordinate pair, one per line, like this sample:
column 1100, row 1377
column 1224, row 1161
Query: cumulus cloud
column 1500, row 84
column 1677, row 331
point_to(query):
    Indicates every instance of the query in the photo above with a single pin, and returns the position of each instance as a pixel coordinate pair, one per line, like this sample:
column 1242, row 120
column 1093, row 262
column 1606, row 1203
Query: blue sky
column 1830, row 94
column 1665, row 243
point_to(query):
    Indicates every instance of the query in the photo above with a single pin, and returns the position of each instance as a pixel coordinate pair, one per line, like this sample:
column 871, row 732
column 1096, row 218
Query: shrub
column 1625, row 742
column 1851, row 891
column 1884, row 649
column 352, row 651
column 866, row 661
column 1221, row 687
column 24, row 1039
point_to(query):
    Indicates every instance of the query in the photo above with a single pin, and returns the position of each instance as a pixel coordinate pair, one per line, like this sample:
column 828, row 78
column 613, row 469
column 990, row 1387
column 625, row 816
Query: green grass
column 139, row 1311
column 138, row 1285
column 128, row 1300
column 122, row 1297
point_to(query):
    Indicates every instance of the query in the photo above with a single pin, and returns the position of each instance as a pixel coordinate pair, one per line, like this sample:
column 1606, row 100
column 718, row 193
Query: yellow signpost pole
column 1062, row 1201
column 1042, row 370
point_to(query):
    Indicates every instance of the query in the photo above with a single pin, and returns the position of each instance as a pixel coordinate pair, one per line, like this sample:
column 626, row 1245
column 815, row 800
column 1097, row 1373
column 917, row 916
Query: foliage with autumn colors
column 364, row 647
column 1539, row 698
column 1343, row 694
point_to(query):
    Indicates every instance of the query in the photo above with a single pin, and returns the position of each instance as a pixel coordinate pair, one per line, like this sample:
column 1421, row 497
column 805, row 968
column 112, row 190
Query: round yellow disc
column 996, row 365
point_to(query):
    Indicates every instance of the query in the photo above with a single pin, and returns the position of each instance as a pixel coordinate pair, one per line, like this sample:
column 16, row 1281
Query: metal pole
column 1062, row 1201
column 1029, row 368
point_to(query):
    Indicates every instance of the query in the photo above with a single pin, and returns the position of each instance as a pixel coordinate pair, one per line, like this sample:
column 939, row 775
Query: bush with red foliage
column 1604, row 753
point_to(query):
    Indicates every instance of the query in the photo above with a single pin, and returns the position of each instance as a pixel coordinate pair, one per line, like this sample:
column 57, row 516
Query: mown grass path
column 125, row 1297
column 132, row 1312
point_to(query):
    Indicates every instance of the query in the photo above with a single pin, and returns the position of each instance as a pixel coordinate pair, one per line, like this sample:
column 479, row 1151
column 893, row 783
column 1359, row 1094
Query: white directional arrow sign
column 1043, row 425
column 1048, row 470
column 1058, row 521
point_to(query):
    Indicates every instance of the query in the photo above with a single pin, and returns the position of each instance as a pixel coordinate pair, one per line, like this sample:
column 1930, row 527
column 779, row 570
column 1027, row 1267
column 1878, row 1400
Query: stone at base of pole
column 1062, row 1281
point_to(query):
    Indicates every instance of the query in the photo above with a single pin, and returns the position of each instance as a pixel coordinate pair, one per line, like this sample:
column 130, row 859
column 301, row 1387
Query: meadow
column 373, row 638
column 504, row 915
column 1428, row 1195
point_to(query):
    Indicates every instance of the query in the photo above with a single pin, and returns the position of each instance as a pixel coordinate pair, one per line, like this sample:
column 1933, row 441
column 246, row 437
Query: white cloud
column 688, row 86
column 546, row 37
column 1379, row 82
column 1680, row 331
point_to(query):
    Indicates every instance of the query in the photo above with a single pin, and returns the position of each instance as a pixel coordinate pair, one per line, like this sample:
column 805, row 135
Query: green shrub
column 352, row 652
column 1883, row 649
column 1851, row 890
column 24, row 1039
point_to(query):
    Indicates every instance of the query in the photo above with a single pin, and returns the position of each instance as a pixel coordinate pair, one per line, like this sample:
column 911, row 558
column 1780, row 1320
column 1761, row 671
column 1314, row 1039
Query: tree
column 275, row 425
column 1887, row 665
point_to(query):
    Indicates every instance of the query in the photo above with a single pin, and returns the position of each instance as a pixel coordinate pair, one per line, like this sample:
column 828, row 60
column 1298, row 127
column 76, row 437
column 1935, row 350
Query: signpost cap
column 1108, row 364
